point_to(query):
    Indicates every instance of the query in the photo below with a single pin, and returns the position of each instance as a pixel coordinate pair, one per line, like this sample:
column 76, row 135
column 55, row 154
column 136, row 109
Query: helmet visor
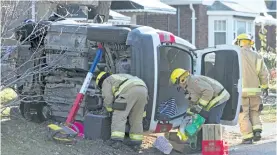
column 245, row 42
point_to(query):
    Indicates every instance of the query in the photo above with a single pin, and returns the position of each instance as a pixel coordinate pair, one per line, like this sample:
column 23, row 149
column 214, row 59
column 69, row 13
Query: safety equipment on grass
column 181, row 132
column 7, row 95
column 244, row 39
column 100, row 78
column 178, row 75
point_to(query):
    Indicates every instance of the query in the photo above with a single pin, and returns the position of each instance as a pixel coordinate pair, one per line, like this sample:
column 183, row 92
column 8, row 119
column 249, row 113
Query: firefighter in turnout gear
column 255, row 82
column 124, row 96
column 207, row 96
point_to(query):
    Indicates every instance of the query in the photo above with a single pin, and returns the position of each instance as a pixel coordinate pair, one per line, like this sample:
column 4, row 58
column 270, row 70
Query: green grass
column 269, row 114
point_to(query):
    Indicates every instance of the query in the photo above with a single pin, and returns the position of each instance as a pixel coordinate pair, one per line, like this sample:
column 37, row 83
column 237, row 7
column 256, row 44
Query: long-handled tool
column 64, row 132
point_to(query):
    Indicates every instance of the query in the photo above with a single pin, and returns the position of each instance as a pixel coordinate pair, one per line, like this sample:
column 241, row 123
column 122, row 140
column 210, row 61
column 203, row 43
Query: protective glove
column 241, row 109
column 189, row 112
column 200, row 111
column 261, row 107
column 107, row 111
column 265, row 92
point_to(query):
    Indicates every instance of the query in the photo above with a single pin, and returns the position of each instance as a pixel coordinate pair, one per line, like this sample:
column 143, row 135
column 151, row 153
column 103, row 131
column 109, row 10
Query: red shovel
column 67, row 133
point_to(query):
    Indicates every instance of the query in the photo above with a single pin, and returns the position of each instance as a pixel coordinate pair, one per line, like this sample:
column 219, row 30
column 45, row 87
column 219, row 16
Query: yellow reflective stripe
column 54, row 127
column 216, row 100
column 251, row 90
column 182, row 136
column 117, row 77
column 109, row 109
column 203, row 102
column 251, row 94
column 62, row 139
column 264, row 86
column 144, row 114
column 247, row 136
column 113, row 89
column 259, row 65
column 130, row 81
column 118, row 134
column 257, row 127
column 136, row 137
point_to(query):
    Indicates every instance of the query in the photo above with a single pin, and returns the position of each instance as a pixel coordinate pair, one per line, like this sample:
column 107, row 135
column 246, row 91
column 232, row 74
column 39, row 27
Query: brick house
column 205, row 24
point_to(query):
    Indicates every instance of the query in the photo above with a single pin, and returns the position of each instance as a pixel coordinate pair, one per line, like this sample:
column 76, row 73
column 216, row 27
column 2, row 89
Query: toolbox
column 97, row 127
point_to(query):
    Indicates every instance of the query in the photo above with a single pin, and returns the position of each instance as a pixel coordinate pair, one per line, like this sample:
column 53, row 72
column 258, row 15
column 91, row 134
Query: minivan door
column 223, row 63
column 171, row 105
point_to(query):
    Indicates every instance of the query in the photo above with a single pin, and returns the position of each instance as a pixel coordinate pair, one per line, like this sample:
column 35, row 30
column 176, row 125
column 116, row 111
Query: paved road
column 255, row 149
column 269, row 129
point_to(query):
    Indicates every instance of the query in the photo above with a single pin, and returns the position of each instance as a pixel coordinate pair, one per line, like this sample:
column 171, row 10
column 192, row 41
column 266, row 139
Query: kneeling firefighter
column 207, row 96
column 125, row 96
column 255, row 78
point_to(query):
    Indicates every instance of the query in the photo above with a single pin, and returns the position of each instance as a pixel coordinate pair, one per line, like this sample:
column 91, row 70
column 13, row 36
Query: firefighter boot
column 116, row 144
column 247, row 141
column 257, row 136
column 134, row 145
column 198, row 146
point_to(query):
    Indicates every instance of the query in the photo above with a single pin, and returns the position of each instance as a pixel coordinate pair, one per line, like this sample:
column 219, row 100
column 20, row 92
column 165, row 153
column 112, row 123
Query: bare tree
column 14, row 13
column 103, row 8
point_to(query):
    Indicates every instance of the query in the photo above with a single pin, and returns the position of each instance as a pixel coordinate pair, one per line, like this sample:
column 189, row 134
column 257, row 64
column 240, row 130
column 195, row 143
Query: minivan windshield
column 170, row 102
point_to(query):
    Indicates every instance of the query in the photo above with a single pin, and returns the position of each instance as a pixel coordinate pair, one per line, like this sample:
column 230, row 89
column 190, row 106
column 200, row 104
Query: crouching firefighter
column 254, row 83
column 207, row 97
column 125, row 96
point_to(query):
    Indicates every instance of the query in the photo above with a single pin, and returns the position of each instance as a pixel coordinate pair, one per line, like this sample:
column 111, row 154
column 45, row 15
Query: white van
column 156, row 53
column 148, row 53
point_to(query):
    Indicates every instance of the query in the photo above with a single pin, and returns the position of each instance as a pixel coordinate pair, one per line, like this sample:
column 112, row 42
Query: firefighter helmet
column 100, row 78
column 177, row 74
column 244, row 39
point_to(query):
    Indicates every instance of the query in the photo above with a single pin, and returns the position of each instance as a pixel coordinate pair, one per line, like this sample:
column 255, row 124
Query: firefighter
column 254, row 84
column 207, row 96
column 125, row 96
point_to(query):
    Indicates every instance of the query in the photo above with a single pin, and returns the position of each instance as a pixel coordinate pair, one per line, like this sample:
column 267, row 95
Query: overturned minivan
column 157, row 53
column 142, row 51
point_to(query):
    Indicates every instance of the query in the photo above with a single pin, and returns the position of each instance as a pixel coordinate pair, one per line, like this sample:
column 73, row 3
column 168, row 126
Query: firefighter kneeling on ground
column 124, row 96
column 207, row 96
column 254, row 83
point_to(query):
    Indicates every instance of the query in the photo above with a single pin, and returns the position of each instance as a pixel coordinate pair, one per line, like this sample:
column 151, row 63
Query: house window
column 242, row 27
column 220, row 32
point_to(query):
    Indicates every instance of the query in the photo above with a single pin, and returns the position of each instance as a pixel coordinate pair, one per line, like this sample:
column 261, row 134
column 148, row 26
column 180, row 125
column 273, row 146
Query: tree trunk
column 103, row 8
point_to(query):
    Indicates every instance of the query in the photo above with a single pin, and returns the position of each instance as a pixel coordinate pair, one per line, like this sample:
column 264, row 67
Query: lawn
column 269, row 113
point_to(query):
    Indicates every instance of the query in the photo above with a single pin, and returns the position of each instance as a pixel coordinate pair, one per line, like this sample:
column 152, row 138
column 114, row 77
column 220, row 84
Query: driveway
column 268, row 148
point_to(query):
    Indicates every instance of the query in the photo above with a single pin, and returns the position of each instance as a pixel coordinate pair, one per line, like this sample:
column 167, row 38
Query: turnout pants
column 249, row 118
column 136, row 99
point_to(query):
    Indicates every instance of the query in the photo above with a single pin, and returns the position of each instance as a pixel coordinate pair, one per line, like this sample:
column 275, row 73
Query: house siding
column 169, row 23
column 270, row 36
